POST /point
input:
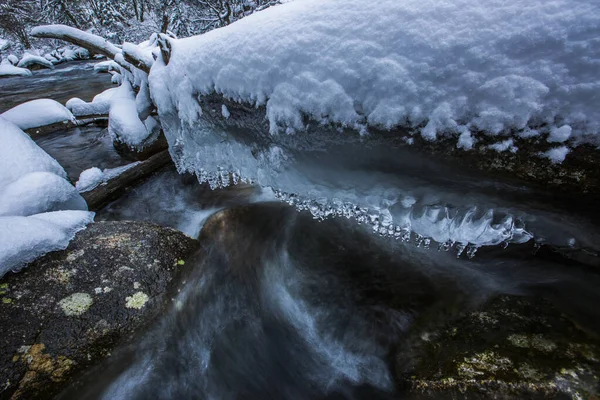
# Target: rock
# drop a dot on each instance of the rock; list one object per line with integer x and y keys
{"x": 67, "y": 310}
{"x": 512, "y": 348}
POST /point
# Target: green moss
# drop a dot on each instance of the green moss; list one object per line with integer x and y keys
{"x": 4, "y": 288}
{"x": 7, "y": 300}
{"x": 180, "y": 262}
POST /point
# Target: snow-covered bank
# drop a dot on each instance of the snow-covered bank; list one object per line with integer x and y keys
{"x": 439, "y": 67}
{"x": 40, "y": 211}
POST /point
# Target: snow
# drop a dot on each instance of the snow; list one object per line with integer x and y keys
{"x": 80, "y": 108}
{"x": 560, "y": 135}
{"x": 433, "y": 65}
{"x": 39, "y": 192}
{"x": 124, "y": 122}
{"x": 68, "y": 32}
{"x": 4, "y": 44}
{"x": 556, "y": 155}
{"x": 40, "y": 210}
{"x": 14, "y": 60}
{"x": 225, "y": 112}
{"x": 93, "y": 177}
{"x": 139, "y": 53}
{"x": 23, "y": 239}
{"x": 10, "y": 70}
{"x": 19, "y": 155}
{"x": 104, "y": 96}
{"x": 51, "y": 58}
{"x": 30, "y": 60}
{"x": 505, "y": 145}
{"x": 106, "y": 66}
{"x": 36, "y": 113}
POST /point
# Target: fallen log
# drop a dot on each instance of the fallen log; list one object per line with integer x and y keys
{"x": 44, "y": 130}
{"x": 94, "y": 43}
{"x": 138, "y": 59}
{"x": 116, "y": 187}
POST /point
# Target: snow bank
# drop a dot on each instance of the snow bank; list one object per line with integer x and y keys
{"x": 10, "y": 70}
{"x": 34, "y": 199}
{"x": 124, "y": 122}
{"x": 23, "y": 239}
{"x": 30, "y": 60}
{"x": 438, "y": 66}
{"x": 36, "y": 113}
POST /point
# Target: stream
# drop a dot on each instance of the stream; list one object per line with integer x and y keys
{"x": 283, "y": 301}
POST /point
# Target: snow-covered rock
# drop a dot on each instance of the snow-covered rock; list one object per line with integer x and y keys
{"x": 10, "y": 70}
{"x": 51, "y": 58}
{"x": 437, "y": 66}
{"x": 14, "y": 60}
{"x": 19, "y": 155}
{"x": 39, "y": 192}
{"x": 30, "y": 60}
{"x": 36, "y": 113}
{"x": 23, "y": 239}
{"x": 40, "y": 211}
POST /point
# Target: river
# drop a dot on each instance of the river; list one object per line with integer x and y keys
{"x": 278, "y": 304}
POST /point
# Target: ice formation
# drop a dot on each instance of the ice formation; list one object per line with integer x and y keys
{"x": 506, "y": 69}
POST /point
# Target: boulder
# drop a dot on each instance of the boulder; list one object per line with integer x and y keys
{"x": 512, "y": 348}
{"x": 67, "y": 310}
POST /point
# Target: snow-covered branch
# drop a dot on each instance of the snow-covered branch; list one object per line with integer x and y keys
{"x": 95, "y": 44}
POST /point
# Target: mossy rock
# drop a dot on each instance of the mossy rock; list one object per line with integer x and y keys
{"x": 512, "y": 348}
{"x": 67, "y": 310}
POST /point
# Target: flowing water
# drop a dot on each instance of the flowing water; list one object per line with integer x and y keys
{"x": 319, "y": 298}
{"x": 65, "y": 81}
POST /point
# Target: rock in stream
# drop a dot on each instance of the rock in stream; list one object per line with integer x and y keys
{"x": 67, "y": 310}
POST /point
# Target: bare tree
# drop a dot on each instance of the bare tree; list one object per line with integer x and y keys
{"x": 15, "y": 19}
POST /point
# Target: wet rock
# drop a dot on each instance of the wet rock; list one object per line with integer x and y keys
{"x": 68, "y": 310}
{"x": 512, "y": 348}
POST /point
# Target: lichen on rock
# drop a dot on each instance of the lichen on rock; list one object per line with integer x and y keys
{"x": 137, "y": 300}
{"x": 76, "y": 304}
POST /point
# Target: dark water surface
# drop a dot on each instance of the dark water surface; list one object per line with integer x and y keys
{"x": 65, "y": 81}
